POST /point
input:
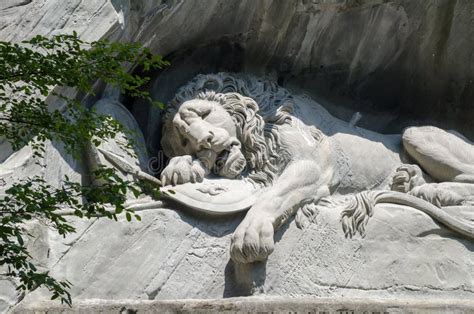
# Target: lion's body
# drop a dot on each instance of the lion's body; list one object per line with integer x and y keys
{"x": 292, "y": 145}
{"x": 355, "y": 161}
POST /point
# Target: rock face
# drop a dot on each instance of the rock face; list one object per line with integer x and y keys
{"x": 397, "y": 62}
{"x": 173, "y": 254}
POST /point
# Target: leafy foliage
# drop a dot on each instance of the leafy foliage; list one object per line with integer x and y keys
{"x": 28, "y": 74}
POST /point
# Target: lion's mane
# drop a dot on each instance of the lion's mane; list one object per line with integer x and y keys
{"x": 257, "y": 106}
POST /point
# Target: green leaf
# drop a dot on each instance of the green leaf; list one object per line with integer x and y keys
{"x": 33, "y": 68}
{"x": 20, "y": 239}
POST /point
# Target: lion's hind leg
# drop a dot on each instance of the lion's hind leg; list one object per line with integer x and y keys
{"x": 444, "y": 155}
{"x": 445, "y": 193}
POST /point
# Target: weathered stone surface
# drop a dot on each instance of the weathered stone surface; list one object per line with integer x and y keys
{"x": 398, "y": 62}
{"x": 23, "y": 19}
{"x": 172, "y": 254}
{"x": 259, "y": 305}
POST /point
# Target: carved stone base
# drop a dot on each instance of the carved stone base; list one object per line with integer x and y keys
{"x": 171, "y": 254}
{"x": 258, "y": 304}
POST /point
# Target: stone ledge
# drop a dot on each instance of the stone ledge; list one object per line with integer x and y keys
{"x": 256, "y": 304}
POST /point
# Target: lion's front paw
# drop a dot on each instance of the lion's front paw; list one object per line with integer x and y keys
{"x": 406, "y": 178}
{"x": 183, "y": 169}
{"x": 252, "y": 241}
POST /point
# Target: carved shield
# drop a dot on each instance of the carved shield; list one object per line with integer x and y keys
{"x": 216, "y": 196}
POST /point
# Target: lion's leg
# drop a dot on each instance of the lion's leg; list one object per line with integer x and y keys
{"x": 445, "y": 156}
{"x": 445, "y": 193}
{"x": 253, "y": 239}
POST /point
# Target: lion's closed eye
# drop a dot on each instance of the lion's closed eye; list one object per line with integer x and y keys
{"x": 205, "y": 114}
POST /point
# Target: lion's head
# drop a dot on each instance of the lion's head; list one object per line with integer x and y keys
{"x": 225, "y": 129}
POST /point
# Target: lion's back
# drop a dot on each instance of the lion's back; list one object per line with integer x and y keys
{"x": 365, "y": 163}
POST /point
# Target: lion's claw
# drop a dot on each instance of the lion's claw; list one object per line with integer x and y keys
{"x": 183, "y": 169}
{"x": 252, "y": 241}
{"x": 406, "y": 178}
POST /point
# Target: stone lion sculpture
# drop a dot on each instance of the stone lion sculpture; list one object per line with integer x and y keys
{"x": 240, "y": 127}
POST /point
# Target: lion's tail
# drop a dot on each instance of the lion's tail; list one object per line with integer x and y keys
{"x": 356, "y": 215}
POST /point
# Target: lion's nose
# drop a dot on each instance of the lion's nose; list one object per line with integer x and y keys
{"x": 206, "y": 141}
{"x": 210, "y": 137}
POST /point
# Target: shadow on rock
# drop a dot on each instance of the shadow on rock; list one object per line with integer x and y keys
{"x": 244, "y": 279}
{"x": 215, "y": 226}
